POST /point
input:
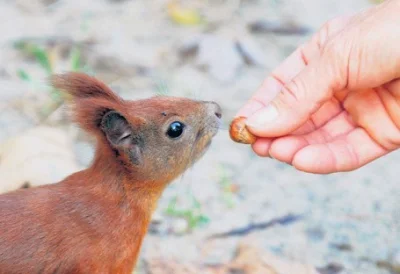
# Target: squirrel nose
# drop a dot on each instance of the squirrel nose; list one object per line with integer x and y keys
{"x": 215, "y": 109}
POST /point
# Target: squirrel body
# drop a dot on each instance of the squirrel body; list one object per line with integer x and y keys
{"x": 94, "y": 221}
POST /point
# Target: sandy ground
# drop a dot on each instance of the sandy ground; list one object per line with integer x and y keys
{"x": 351, "y": 219}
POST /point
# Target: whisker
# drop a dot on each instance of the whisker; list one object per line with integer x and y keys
{"x": 221, "y": 128}
{"x": 222, "y": 125}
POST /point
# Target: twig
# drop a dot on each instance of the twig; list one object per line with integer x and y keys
{"x": 285, "y": 220}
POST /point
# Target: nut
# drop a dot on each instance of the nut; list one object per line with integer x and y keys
{"x": 239, "y": 132}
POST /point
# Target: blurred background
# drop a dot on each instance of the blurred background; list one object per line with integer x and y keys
{"x": 232, "y": 212}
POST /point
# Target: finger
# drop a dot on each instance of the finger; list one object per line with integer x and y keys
{"x": 288, "y": 69}
{"x": 345, "y": 153}
{"x": 322, "y": 73}
{"x": 274, "y": 83}
{"x": 299, "y": 99}
{"x": 329, "y": 110}
{"x": 325, "y": 113}
{"x": 292, "y": 66}
{"x": 284, "y": 149}
{"x": 262, "y": 146}
{"x": 390, "y": 96}
{"x": 265, "y": 93}
{"x": 368, "y": 110}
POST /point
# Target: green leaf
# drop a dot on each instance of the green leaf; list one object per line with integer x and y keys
{"x": 23, "y": 75}
{"x": 192, "y": 215}
{"x": 204, "y": 219}
{"x": 38, "y": 53}
{"x": 42, "y": 58}
{"x": 75, "y": 59}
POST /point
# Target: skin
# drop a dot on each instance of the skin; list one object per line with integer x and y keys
{"x": 334, "y": 104}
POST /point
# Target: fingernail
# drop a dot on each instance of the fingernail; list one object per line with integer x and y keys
{"x": 263, "y": 117}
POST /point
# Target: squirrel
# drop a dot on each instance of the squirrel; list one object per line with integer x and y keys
{"x": 94, "y": 221}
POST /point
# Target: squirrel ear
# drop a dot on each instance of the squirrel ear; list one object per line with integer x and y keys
{"x": 117, "y": 129}
{"x": 120, "y": 135}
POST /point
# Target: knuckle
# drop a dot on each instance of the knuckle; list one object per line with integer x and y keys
{"x": 328, "y": 29}
{"x": 336, "y": 24}
{"x": 336, "y": 56}
{"x": 293, "y": 92}
{"x": 333, "y": 48}
{"x": 320, "y": 38}
{"x": 328, "y": 26}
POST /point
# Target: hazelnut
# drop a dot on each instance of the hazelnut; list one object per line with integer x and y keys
{"x": 239, "y": 132}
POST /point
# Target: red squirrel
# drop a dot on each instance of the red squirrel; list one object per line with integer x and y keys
{"x": 94, "y": 221}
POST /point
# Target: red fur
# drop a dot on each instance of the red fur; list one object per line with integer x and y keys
{"x": 94, "y": 221}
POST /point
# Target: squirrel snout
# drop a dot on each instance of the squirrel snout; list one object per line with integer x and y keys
{"x": 214, "y": 109}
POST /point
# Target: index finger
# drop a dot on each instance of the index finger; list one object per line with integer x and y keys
{"x": 292, "y": 66}
{"x": 274, "y": 83}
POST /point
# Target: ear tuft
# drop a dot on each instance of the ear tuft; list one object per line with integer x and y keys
{"x": 89, "y": 99}
{"x": 80, "y": 85}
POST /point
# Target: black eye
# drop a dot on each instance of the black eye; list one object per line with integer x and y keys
{"x": 175, "y": 130}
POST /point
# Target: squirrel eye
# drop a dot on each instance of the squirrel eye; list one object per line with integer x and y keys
{"x": 175, "y": 130}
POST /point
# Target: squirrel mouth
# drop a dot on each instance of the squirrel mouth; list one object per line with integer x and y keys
{"x": 200, "y": 134}
{"x": 204, "y": 138}
{"x": 208, "y": 144}
{"x": 206, "y": 134}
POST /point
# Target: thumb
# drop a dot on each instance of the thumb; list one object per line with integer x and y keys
{"x": 302, "y": 96}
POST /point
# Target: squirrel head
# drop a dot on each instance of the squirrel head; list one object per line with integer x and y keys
{"x": 154, "y": 139}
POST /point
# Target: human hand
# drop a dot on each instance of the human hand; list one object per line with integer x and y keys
{"x": 334, "y": 104}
